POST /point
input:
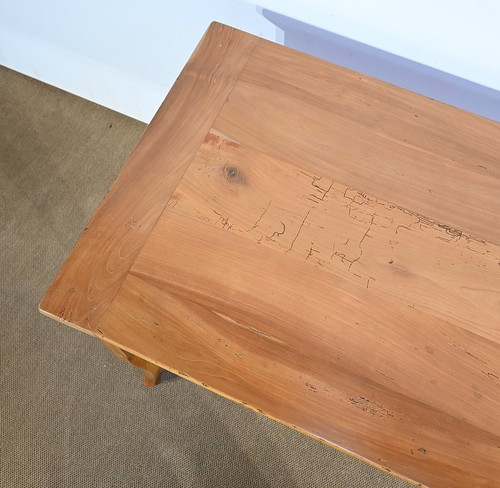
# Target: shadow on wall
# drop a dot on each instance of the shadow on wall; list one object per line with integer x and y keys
{"x": 388, "y": 67}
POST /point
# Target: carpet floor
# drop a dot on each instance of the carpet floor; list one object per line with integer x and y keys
{"x": 71, "y": 414}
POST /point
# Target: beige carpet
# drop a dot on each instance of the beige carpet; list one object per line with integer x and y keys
{"x": 71, "y": 414}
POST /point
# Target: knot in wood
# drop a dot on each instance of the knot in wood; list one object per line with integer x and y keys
{"x": 233, "y": 174}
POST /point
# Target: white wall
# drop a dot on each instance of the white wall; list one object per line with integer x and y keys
{"x": 126, "y": 54}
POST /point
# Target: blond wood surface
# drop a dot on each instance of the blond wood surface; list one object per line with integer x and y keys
{"x": 92, "y": 274}
{"x": 328, "y": 309}
{"x": 380, "y": 138}
{"x": 317, "y": 245}
{"x": 316, "y": 352}
{"x": 317, "y": 219}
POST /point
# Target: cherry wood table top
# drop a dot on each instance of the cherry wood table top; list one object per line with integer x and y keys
{"x": 315, "y": 244}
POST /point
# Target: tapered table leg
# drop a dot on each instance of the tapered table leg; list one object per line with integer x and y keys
{"x": 151, "y": 371}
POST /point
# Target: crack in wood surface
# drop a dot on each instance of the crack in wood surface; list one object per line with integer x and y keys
{"x": 342, "y": 230}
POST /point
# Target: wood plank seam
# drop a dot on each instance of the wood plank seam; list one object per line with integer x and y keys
{"x": 62, "y": 305}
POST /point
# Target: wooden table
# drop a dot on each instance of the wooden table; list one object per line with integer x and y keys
{"x": 315, "y": 244}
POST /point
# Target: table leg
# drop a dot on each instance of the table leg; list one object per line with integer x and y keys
{"x": 151, "y": 371}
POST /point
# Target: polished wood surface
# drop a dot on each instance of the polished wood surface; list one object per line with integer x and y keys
{"x": 94, "y": 271}
{"x": 317, "y": 245}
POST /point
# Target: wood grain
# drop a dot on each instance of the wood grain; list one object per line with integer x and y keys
{"x": 354, "y": 320}
{"x": 379, "y": 138}
{"x": 92, "y": 274}
{"x": 372, "y": 376}
{"x": 317, "y": 245}
{"x": 317, "y": 219}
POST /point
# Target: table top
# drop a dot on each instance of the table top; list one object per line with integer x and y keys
{"x": 317, "y": 245}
